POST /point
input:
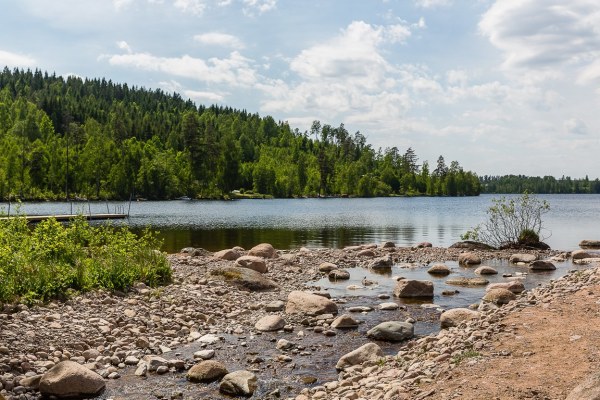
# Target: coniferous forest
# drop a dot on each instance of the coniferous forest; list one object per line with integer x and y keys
{"x": 93, "y": 138}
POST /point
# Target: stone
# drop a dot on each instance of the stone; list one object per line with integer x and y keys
{"x": 264, "y": 250}
{"x": 388, "y": 245}
{"x": 244, "y": 278}
{"x": 515, "y": 286}
{"x": 408, "y": 288}
{"x": 207, "y": 371}
{"x": 70, "y": 379}
{"x": 389, "y": 306}
{"x": 367, "y": 352}
{"x": 205, "y": 354}
{"x": 307, "y": 303}
{"x": 469, "y": 259}
{"x": 270, "y": 323}
{"x": 523, "y": 258}
{"x": 423, "y": 245}
{"x": 499, "y": 296}
{"x": 471, "y": 245}
{"x": 590, "y": 244}
{"x": 227, "y": 254}
{"x": 154, "y": 362}
{"x": 344, "y": 321}
{"x": 456, "y": 316}
{"x": 327, "y": 267}
{"x": 540, "y": 265}
{"x": 381, "y": 262}
{"x": 254, "y": 263}
{"x": 439, "y": 269}
{"x": 209, "y": 338}
{"x": 284, "y": 344}
{"x": 275, "y": 306}
{"x": 485, "y": 270}
{"x": 392, "y": 331}
{"x": 366, "y": 253}
{"x": 581, "y": 254}
{"x": 339, "y": 274}
{"x": 462, "y": 281}
{"x": 589, "y": 389}
{"x": 238, "y": 383}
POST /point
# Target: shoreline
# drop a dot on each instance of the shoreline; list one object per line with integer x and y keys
{"x": 108, "y": 331}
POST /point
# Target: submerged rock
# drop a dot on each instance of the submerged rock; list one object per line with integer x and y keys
{"x": 439, "y": 269}
{"x": 469, "y": 259}
{"x": 407, "y": 288}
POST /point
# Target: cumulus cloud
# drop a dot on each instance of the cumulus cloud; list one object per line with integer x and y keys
{"x": 219, "y": 39}
{"x": 195, "y": 7}
{"x": 15, "y": 60}
{"x": 432, "y": 3}
{"x": 120, "y": 4}
{"x": 253, "y": 7}
{"x": 124, "y": 46}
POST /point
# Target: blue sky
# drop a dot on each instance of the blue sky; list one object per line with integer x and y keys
{"x": 505, "y": 86}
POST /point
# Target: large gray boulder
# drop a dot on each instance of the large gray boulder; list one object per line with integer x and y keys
{"x": 367, "y": 352}
{"x": 540, "y": 265}
{"x": 456, "y": 316}
{"x": 270, "y": 323}
{"x": 227, "y": 254}
{"x": 308, "y": 303}
{"x": 70, "y": 379}
{"x": 264, "y": 250}
{"x": 439, "y": 269}
{"x": 207, "y": 371}
{"x": 239, "y": 383}
{"x": 469, "y": 259}
{"x": 338, "y": 275}
{"x": 345, "y": 321}
{"x": 327, "y": 267}
{"x": 254, "y": 263}
{"x": 581, "y": 254}
{"x": 499, "y": 296}
{"x": 522, "y": 258}
{"x": 392, "y": 331}
{"x": 590, "y": 244}
{"x": 381, "y": 262}
{"x": 515, "y": 286}
{"x": 408, "y": 288}
{"x": 486, "y": 270}
{"x": 243, "y": 278}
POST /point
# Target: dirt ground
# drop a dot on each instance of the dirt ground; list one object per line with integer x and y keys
{"x": 544, "y": 351}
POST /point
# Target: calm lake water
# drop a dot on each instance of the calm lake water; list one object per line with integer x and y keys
{"x": 293, "y": 223}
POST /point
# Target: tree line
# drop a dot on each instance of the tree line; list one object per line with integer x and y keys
{"x": 93, "y": 138}
{"x": 536, "y": 184}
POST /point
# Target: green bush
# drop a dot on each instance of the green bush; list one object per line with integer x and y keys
{"x": 52, "y": 260}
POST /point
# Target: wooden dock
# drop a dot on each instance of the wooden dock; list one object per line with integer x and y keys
{"x": 67, "y": 217}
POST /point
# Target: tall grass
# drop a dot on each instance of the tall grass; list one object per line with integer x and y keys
{"x": 51, "y": 260}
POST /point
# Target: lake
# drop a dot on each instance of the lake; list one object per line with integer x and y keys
{"x": 330, "y": 222}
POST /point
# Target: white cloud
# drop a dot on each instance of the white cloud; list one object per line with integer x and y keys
{"x": 15, "y": 60}
{"x": 204, "y": 97}
{"x": 120, "y": 4}
{"x": 195, "y": 7}
{"x": 432, "y": 3}
{"x": 124, "y": 46}
{"x": 251, "y": 7}
{"x": 575, "y": 126}
{"x": 219, "y": 39}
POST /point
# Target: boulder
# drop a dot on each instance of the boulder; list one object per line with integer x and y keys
{"x": 327, "y": 267}
{"x": 367, "y": 352}
{"x": 439, "y": 269}
{"x": 407, "y": 288}
{"x": 244, "y": 278}
{"x": 70, "y": 379}
{"x": 254, "y": 263}
{"x": 515, "y": 286}
{"x": 471, "y": 245}
{"x": 392, "y": 331}
{"x": 540, "y": 265}
{"x": 366, "y": 253}
{"x": 456, "y": 316}
{"x": 339, "y": 275}
{"x": 523, "y": 258}
{"x": 274, "y": 306}
{"x": 499, "y": 296}
{"x": 270, "y": 323}
{"x": 207, "y": 371}
{"x": 307, "y": 303}
{"x": 485, "y": 270}
{"x": 581, "y": 254}
{"x": 264, "y": 250}
{"x": 389, "y": 306}
{"x": 227, "y": 254}
{"x": 469, "y": 259}
{"x": 590, "y": 244}
{"x": 462, "y": 281}
{"x": 589, "y": 389}
{"x": 388, "y": 245}
{"x": 345, "y": 321}
{"x": 381, "y": 262}
{"x": 238, "y": 383}
{"x": 423, "y": 245}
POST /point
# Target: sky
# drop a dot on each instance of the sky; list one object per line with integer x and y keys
{"x": 502, "y": 86}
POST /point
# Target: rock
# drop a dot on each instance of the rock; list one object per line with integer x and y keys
{"x": 587, "y": 390}
{"x": 469, "y": 259}
{"x": 275, "y": 306}
{"x": 209, "y": 338}
{"x": 388, "y": 306}
{"x": 307, "y": 303}
{"x": 367, "y": 352}
{"x": 590, "y": 244}
{"x": 439, "y": 269}
{"x": 499, "y": 296}
{"x": 227, "y": 254}
{"x": 485, "y": 270}
{"x": 243, "y": 278}
{"x": 327, "y": 267}
{"x": 471, "y": 245}
{"x": 204, "y": 354}
{"x": 388, "y": 245}
{"x": 239, "y": 383}
{"x": 338, "y": 274}
{"x": 540, "y": 265}
{"x": 392, "y": 331}
{"x": 264, "y": 250}
{"x": 515, "y": 286}
{"x": 407, "y": 288}
{"x": 524, "y": 258}
{"x": 154, "y": 362}
{"x": 581, "y": 254}
{"x": 344, "y": 322}
{"x": 462, "y": 281}
{"x": 254, "y": 263}
{"x": 423, "y": 245}
{"x": 283, "y": 344}
{"x": 455, "y": 316}
{"x": 270, "y": 323}
{"x": 70, "y": 379}
{"x": 207, "y": 371}
{"x": 366, "y": 253}
{"x": 381, "y": 262}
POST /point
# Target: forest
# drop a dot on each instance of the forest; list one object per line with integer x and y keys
{"x": 95, "y": 139}
{"x": 545, "y": 185}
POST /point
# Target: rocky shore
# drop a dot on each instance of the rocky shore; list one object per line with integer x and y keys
{"x": 240, "y": 323}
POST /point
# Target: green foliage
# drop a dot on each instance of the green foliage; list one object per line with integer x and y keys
{"x": 511, "y": 221}
{"x": 465, "y": 355}
{"x": 51, "y": 260}
{"x": 536, "y": 184}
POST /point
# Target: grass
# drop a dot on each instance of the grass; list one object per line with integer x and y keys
{"x": 52, "y": 260}
{"x": 465, "y": 355}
